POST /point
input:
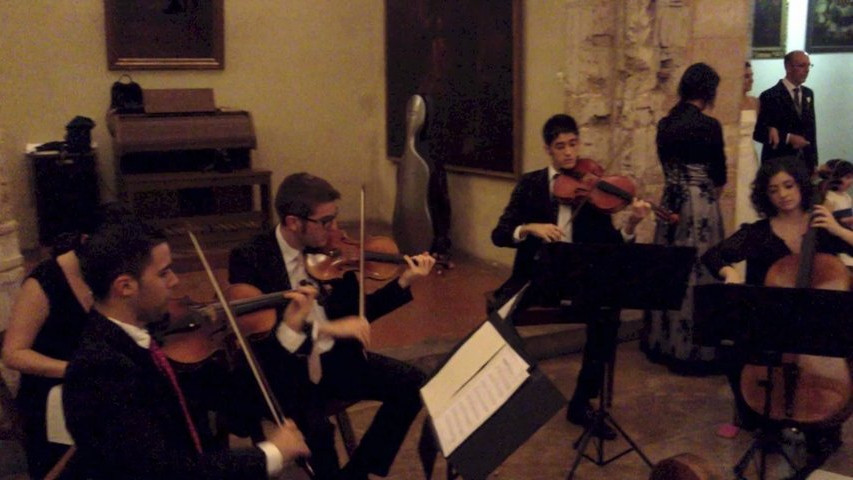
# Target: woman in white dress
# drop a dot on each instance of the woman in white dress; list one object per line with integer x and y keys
{"x": 747, "y": 159}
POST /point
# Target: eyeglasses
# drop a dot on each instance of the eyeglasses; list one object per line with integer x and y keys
{"x": 804, "y": 65}
{"x": 323, "y": 222}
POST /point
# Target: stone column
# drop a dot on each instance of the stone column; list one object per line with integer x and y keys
{"x": 623, "y": 62}
{"x": 11, "y": 264}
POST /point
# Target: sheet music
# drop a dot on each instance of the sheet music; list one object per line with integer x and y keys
{"x": 56, "y": 431}
{"x": 480, "y": 377}
{"x": 508, "y": 307}
{"x": 826, "y": 475}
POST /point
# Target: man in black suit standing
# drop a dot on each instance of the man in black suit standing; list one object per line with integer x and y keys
{"x": 311, "y": 361}
{"x": 533, "y": 217}
{"x": 786, "y": 116}
{"x": 123, "y": 404}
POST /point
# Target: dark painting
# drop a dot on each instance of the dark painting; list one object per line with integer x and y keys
{"x": 164, "y": 34}
{"x": 769, "y": 22}
{"x": 460, "y": 56}
{"x": 830, "y": 26}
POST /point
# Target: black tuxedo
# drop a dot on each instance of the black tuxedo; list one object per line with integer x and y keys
{"x": 126, "y": 419}
{"x": 531, "y": 202}
{"x": 348, "y": 374}
{"x": 776, "y": 109}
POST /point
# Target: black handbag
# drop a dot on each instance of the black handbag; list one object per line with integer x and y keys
{"x": 78, "y": 135}
{"x": 126, "y": 96}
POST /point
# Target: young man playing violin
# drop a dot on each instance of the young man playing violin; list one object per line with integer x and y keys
{"x": 123, "y": 406}
{"x": 312, "y": 361}
{"x": 534, "y": 217}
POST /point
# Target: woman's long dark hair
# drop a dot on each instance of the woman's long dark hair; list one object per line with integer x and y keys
{"x": 699, "y": 82}
{"x": 794, "y": 167}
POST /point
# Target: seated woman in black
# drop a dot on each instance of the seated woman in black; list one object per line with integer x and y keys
{"x": 782, "y": 196}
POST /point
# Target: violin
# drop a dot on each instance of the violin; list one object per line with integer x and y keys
{"x": 382, "y": 258}
{"x": 587, "y": 183}
{"x": 241, "y": 340}
{"x": 197, "y": 331}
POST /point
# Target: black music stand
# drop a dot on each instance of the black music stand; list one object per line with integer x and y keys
{"x": 616, "y": 276}
{"x": 761, "y": 322}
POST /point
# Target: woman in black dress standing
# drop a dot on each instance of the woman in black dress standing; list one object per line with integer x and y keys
{"x": 690, "y": 149}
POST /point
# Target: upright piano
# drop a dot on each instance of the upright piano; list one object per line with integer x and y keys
{"x": 192, "y": 170}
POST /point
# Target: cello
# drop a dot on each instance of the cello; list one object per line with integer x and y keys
{"x": 422, "y": 207}
{"x": 807, "y": 389}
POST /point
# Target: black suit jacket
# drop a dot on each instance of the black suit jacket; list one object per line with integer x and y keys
{"x": 531, "y": 202}
{"x": 260, "y": 263}
{"x": 776, "y": 109}
{"x": 126, "y": 419}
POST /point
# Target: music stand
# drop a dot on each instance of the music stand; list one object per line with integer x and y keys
{"x": 760, "y": 323}
{"x": 616, "y": 276}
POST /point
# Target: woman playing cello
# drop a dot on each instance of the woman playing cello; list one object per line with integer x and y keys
{"x": 782, "y": 195}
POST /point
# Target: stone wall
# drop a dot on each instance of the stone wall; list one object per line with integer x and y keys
{"x": 623, "y": 62}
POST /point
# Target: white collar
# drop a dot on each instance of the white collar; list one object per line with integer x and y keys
{"x": 552, "y": 172}
{"x": 289, "y": 253}
{"x": 138, "y": 334}
{"x": 790, "y": 86}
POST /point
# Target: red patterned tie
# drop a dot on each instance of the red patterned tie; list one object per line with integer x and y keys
{"x": 163, "y": 365}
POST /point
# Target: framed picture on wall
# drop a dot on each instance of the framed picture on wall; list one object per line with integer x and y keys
{"x": 164, "y": 34}
{"x": 463, "y": 57}
{"x": 769, "y": 21}
{"x": 829, "y": 26}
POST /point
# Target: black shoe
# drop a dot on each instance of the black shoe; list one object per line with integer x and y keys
{"x": 822, "y": 444}
{"x": 352, "y": 472}
{"x": 583, "y": 414}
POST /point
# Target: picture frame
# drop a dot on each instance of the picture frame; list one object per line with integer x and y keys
{"x": 769, "y": 28}
{"x": 828, "y": 26}
{"x": 165, "y": 34}
{"x": 464, "y": 58}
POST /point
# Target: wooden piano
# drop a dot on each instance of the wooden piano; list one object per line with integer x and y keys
{"x": 192, "y": 169}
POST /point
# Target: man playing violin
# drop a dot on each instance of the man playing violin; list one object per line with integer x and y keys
{"x": 312, "y": 361}
{"x": 533, "y": 217}
{"x": 123, "y": 405}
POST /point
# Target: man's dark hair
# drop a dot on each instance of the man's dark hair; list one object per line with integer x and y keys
{"x": 556, "y": 125}
{"x": 794, "y": 167}
{"x": 106, "y": 214}
{"x": 699, "y": 82}
{"x": 300, "y": 193}
{"x": 117, "y": 249}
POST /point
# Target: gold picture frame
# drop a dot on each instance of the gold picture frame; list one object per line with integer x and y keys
{"x": 165, "y": 34}
{"x": 769, "y": 28}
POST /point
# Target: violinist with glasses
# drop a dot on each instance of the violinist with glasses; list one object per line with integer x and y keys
{"x": 324, "y": 357}
{"x": 535, "y": 216}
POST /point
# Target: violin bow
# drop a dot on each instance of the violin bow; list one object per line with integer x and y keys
{"x": 361, "y": 306}
{"x": 263, "y": 383}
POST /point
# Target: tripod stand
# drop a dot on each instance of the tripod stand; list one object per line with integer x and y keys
{"x": 761, "y": 322}
{"x": 600, "y": 419}
{"x": 766, "y": 439}
{"x": 595, "y": 277}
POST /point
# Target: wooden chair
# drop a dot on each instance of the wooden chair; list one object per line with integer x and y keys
{"x": 338, "y": 409}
